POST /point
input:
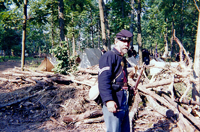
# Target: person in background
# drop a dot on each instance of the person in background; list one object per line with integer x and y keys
{"x": 103, "y": 51}
{"x": 146, "y": 56}
{"x": 132, "y": 52}
{"x": 113, "y": 88}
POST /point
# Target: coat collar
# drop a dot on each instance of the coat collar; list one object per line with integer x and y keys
{"x": 117, "y": 52}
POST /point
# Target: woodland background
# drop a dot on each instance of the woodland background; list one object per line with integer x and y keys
{"x": 60, "y": 28}
{"x": 35, "y": 27}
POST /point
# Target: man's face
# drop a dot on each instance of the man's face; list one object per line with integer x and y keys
{"x": 124, "y": 46}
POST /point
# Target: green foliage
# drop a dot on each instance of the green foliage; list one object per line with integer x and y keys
{"x": 82, "y": 20}
{"x": 66, "y": 64}
{"x": 5, "y": 58}
{"x": 158, "y": 19}
{"x": 10, "y": 39}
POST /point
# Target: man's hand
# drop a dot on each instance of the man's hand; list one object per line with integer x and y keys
{"x": 112, "y": 106}
{"x": 133, "y": 90}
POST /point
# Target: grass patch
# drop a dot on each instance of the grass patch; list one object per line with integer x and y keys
{"x": 6, "y": 58}
{"x": 29, "y": 61}
{"x": 181, "y": 87}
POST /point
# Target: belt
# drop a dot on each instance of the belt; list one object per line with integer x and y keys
{"x": 123, "y": 85}
{"x": 124, "y": 88}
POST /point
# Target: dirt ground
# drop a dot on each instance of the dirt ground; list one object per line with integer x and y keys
{"x": 43, "y": 112}
{"x": 9, "y": 64}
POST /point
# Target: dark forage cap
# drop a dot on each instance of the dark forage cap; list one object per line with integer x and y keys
{"x": 124, "y": 35}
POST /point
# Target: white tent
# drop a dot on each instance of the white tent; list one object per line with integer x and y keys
{"x": 89, "y": 57}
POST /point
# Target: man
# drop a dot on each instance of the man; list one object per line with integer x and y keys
{"x": 103, "y": 51}
{"x": 132, "y": 52}
{"x": 112, "y": 79}
{"x": 146, "y": 56}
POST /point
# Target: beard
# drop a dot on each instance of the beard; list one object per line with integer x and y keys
{"x": 124, "y": 51}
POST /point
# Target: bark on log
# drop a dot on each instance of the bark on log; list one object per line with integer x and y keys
{"x": 57, "y": 122}
{"x": 182, "y": 122}
{"x": 92, "y": 71}
{"x": 134, "y": 108}
{"x": 189, "y": 61}
{"x": 161, "y": 83}
{"x": 87, "y": 114}
{"x": 22, "y": 99}
{"x": 188, "y": 102}
{"x": 163, "y": 111}
{"x": 194, "y": 120}
{"x": 90, "y": 121}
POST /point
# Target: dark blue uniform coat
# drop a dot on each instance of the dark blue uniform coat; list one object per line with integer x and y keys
{"x": 109, "y": 68}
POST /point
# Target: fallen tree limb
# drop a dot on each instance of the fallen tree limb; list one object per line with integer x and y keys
{"x": 164, "y": 111}
{"x": 92, "y": 71}
{"x": 134, "y": 108}
{"x": 22, "y": 99}
{"x": 188, "y": 102}
{"x": 194, "y": 120}
{"x": 87, "y": 114}
{"x": 57, "y": 122}
{"x": 182, "y": 122}
{"x": 90, "y": 121}
{"x": 161, "y": 83}
{"x": 189, "y": 61}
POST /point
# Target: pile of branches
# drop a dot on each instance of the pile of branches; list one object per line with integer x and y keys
{"x": 167, "y": 92}
{"x": 40, "y": 95}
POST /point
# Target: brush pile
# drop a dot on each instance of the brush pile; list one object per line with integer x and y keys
{"x": 166, "y": 100}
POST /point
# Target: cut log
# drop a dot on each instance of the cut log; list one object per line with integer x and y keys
{"x": 90, "y": 121}
{"x": 91, "y": 71}
{"x": 189, "y": 116}
{"x": 188, "y": 102}
{"x": 182, "y": 122}
{"x": 57, "y": 122}
{"x": 161, "y": 83}
{"x": 87, "y": 114}
{"x": 164, "y": 111}
{"x": 134, "y": 108}
{"x": 189, "y": 61}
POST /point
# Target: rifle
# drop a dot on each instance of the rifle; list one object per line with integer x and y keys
{"x": 138, "y": 79}
{"x": 133, "y": 90}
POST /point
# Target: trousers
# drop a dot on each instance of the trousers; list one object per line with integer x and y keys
{"x": 118, "y": 122}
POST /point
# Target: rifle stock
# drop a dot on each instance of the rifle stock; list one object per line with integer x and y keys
{"x": 138, "y": 79}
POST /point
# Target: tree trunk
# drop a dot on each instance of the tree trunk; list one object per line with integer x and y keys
{"x": 195, "y": 93}
{"x": 91, "y": 29}
{"x": 24, "y": 35}
{"x": 122, "y": 5}
{"x": 197, "y": 57}
{"x": 79, "y": 39}
{"x": 74, "y": 44}
{"x": 99, "y": 32}
{"x": 61, "y": 20}
{"x": 172, "y": 30}
{"x": 165, "y": 54}
{"x": 197, "y": 51}
{"x": 107, "y": 26}
{"x": 67, "y": 42}
{"x": 132, "y": 19}
{"x": 103, "y": 30}
{"x": 139, "y": 36}
{"x": 172, "y": 40}
{"x": 52, "y": 26}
